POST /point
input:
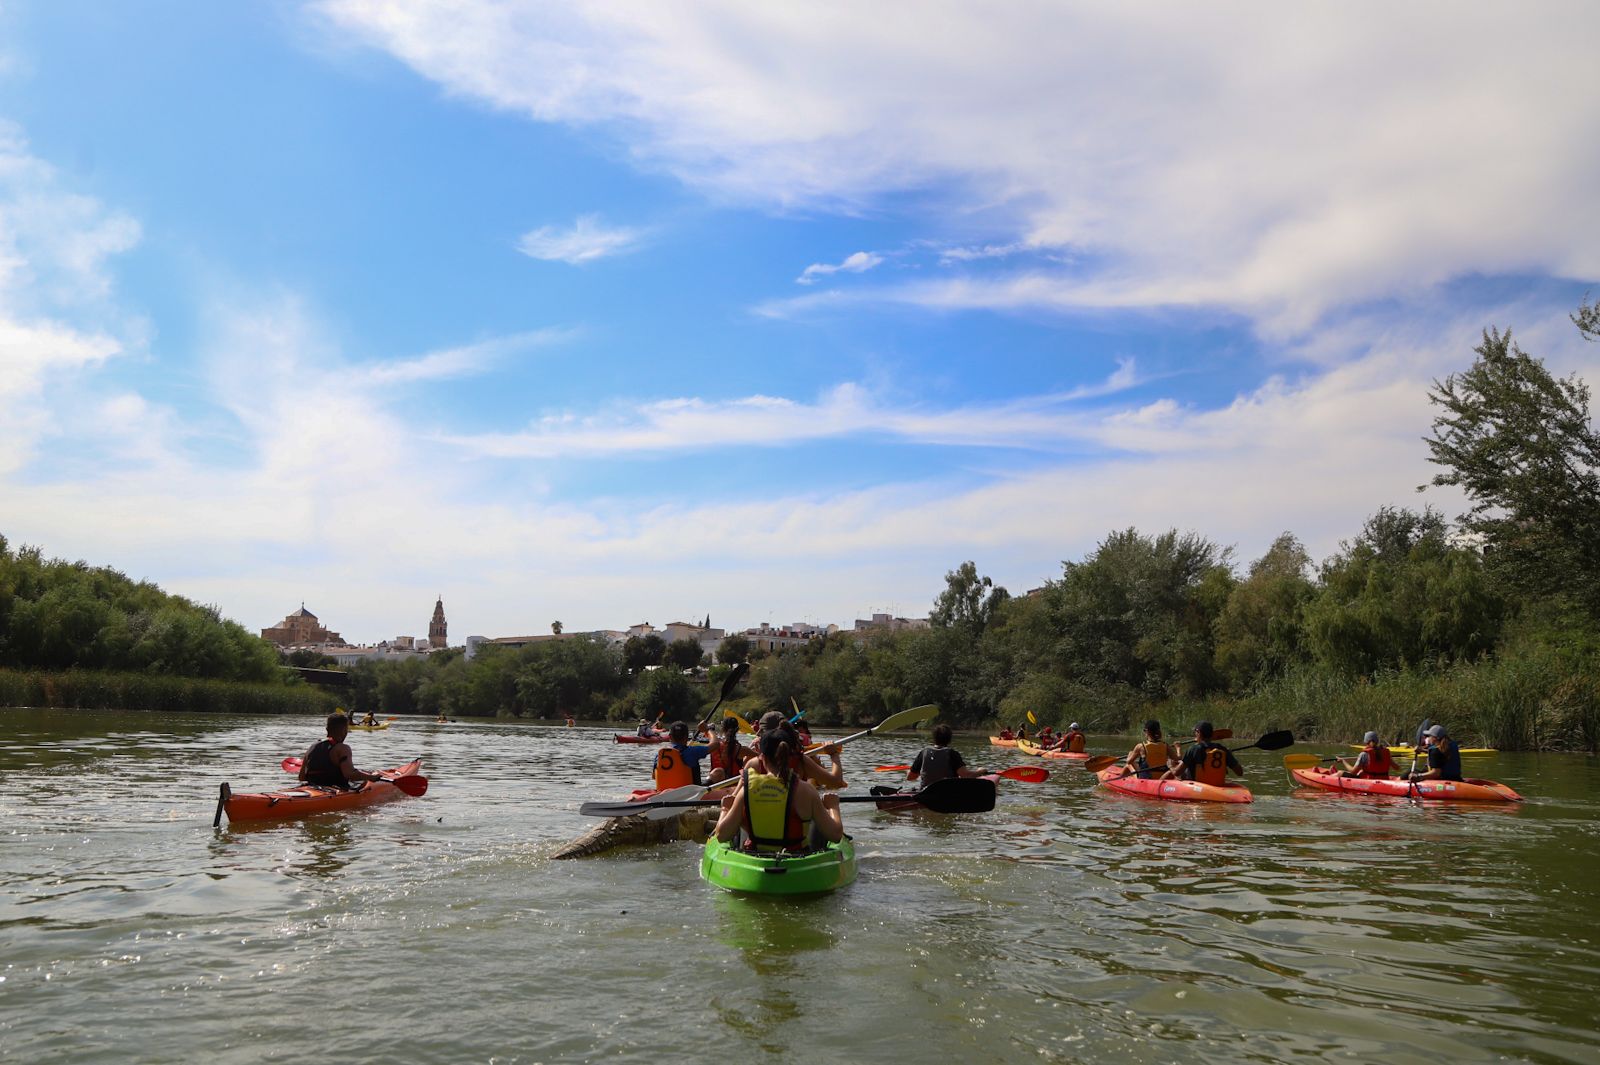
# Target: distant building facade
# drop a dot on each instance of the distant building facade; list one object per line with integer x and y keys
{"x": 301, "y": 628}
{"x": 880, "y": 623}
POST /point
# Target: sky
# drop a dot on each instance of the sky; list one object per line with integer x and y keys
{"x": 618, "y": 312}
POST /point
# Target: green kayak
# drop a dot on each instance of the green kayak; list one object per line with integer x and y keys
{"x": 778, "y": 874}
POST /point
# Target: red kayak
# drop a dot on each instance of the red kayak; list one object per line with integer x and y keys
{"x": 1172, "y": 790}
{"x": 1435, "y": 790}
{"x": 620, "y": 737}
{"x": 311, "y": 798}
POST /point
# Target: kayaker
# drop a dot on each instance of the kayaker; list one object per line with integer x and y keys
{"x": 646, "y": 730}
{"x": 728, "y": 755}
{"x": 1152, "y": 756}
{"x": 778, "y": 811}
{"x": 1007, "y": 734}
{"x": 678, "y": 764}
{"x": 1073, "y": 740}
{"x": 939, "y": 762}
{"x": 1444, "y": 757}
{"x": 1046, "y": 737}
{"x": 329, "y": 762}
{"x": 1206, "y": 761}
{"x": 804, "y": 762}
{"x": 1374, "y": 761}
{"x": 370, "y": 720}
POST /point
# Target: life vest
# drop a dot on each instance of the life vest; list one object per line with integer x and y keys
{"x": 1379, "y": 762}
{"x": 1075, "y": 742}
{"x": 719, "y": 761}
{"x": 1154, "y": 756}
{"x": 935, "y": 765}
{"x": 673, "y": 770}
{"x": 1212, "y": 768}
{"x": 320, "y": 768}
{"x": 1007, "y": 734}
{"x": 769, "y": 817}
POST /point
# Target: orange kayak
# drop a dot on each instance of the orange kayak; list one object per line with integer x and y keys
{"x": 311, "y": 798}
{"x": 1437, "y": 790}
{"x": 1172, "y": 790}
{"x": 998, "y": 742}
{"x": 1029, "y": 747}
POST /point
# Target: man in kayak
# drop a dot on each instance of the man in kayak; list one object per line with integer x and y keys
{"x": 1374, "y": 761}
{"x": 678, "y": 764}
{"x": 1444, "y": 757}
{"x": 1073, "y": 740}
{"x": 778, "y": 811}
{"x": 329, "y": 762}
{"x": 370, "y": 720}
{"x": 1152, "y": 756}
{"x": 1206, "y": 761}
{"x": 646, "y": 731}
{"x": 939, "y": 762}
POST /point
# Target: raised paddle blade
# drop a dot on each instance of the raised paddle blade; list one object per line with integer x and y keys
{"x": 1222, "y": 734}
{"x": 291, "y": 764}
{"x": 1099, "y": 762}
{"x": 411, "y": 784}
{"x": 1303, "y": 761}
{"x": 1275, "y": 741}
{"x": 744, "y": 726}
{"x": 907, "y": 718}
{"x": 1028, "y": 774}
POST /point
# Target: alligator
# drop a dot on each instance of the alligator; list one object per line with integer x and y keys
{"x": 694, "y": 825}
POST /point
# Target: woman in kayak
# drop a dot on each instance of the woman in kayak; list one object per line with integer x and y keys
{"x": 939, "y": 762}
{"x": 1444, "y": 757}
{"x": 1152, "y": 756}
{"x": 678, "y": 764}
{"x": 778, "y": 811}
{"x": 1205, "y": 761}
{"x": 329, "y": 763}
{"x": 801, "y": 761}
{"x": 728, "y": 755}
{"x": 1374, "y": 761}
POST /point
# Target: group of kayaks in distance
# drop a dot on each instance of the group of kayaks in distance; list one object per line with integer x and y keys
{"x": 778, "y": 828}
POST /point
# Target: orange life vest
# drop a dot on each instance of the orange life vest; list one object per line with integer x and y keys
{"x": 1156, "y": 755}
{"x": 1213, "y": 767}
{"x": 672, "y": 770}
{"x": 718, "y": 761}
{"x": 1075, "y": 742}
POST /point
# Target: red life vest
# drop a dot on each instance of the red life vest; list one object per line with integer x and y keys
{"x": 1379, "y": 761}
{"x": 719, "y": 762}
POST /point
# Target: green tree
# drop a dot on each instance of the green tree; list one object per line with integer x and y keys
{"x": 1519, "y": 442}
{"x": 666, "y": 690}
{"x": 733, "y": 649}
{"x": 684, "y": 653}
{"x": 1259, "y": 631}
{"x": 555, "y": 627}
{"x": 641, "y": 651}
{"x": 967, "y": 599}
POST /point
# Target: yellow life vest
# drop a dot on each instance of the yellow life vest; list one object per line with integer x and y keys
{"x": 769, "y": 814}
{"x": 672, "y": 770}
{"x": 1156, "y": 755}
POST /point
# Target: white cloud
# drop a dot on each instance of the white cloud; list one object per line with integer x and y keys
{"x": 584, "y": 242}
{"x": 463, "y": 361}
{"x": 858, "y": 263}
{"x": 1277, "y": 160}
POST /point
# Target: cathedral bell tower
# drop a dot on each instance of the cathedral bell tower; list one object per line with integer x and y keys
{"x": 436, "y": 627}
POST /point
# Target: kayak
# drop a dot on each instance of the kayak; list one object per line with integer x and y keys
{"x": 782, "y": 873}
{"x": 311, "y": 798}
{"x": 1029, "y": 747}
{"x": 1407, "y": 752}
{"x": 890, "y": 798}
{"x": 1172, "y": 790}
{"x": 660, "y": 737}
{"x": 996, "y": 741}
{"x": 1438, "y": 790}
{"x": 371, "y": 728}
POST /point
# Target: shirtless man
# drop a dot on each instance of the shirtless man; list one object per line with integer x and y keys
{"x": 329, "y": 761}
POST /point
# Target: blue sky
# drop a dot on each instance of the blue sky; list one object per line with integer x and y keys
{"x": 629, "y": 311}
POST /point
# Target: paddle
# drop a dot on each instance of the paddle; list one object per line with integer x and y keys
{"x": 1028, "y": 774}
{"x": 1272, "y": 741}
{"x": 735, "y": 675}
{"x": 953, "y": 795}
{"x": 1305, "y": 761}
{"x": 744, "y": 726}
{"x": 904, "y": 719}
{"x": 292, "y": 765}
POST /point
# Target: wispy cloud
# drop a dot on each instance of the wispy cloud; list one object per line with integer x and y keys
{"x": 584, "y": 241}
{"x": 464, "y": 361}
{"x": 1364, "y": 177}
{"x": 857, "y": 263}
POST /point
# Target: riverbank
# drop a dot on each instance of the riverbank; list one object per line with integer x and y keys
{"x": 94, "y": 690}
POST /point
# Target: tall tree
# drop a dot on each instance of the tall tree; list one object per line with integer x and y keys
{"x": 967, "y": 599}
{"x": 1519, "y": 442}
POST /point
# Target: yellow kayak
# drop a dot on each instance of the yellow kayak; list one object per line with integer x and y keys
{"x": 1409, "y": 751}
{"x": 370, "y": 728}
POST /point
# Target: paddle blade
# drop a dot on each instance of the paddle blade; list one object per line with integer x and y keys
{"x": 890, "y": 768}
{"x": 292, "y": 764}
{"x": 735, "y": 675}
{"x": 411, "y": 784}
{"x": 1222, "y": 734}
{"x": 958, "y": 795}
{"x": 1302, "y": 761}
{"x": 1099, "y": 762}
{"x": 1275, "y": 741}
{"x": 907, "y": 718}
{"x": 744, "y": 726}
{"x": 1028, "y": 774}
{"x": 663, "y": 813}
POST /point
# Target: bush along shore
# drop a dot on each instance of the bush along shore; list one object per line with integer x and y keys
{"x": 97, "y": 690}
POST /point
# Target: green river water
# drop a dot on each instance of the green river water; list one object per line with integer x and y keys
{"x": 1068, "y": 925}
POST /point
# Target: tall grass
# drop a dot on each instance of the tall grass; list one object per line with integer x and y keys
{"x": 92, "y": 690}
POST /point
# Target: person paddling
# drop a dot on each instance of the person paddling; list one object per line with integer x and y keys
{"x": 1152, "y": 756}
{"x": 1007, "y": 734}
{"x": 678, "y": 764}
{"x": 805, "y": 763}
{"x": 728, "y": 755}
{"x": 1206, "y": 761}
{"x": 329, "y": 763}
{"x": 778, "y": 811}
{"x": 370, "y": 720}
{"x": 939, "y": 762}
{"x": 1374, "y": 762}
{"x": 1444, "y": 757}
{"x": 1073, "y": 740}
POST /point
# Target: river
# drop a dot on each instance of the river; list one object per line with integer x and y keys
{"x": 1067, "y": 925}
